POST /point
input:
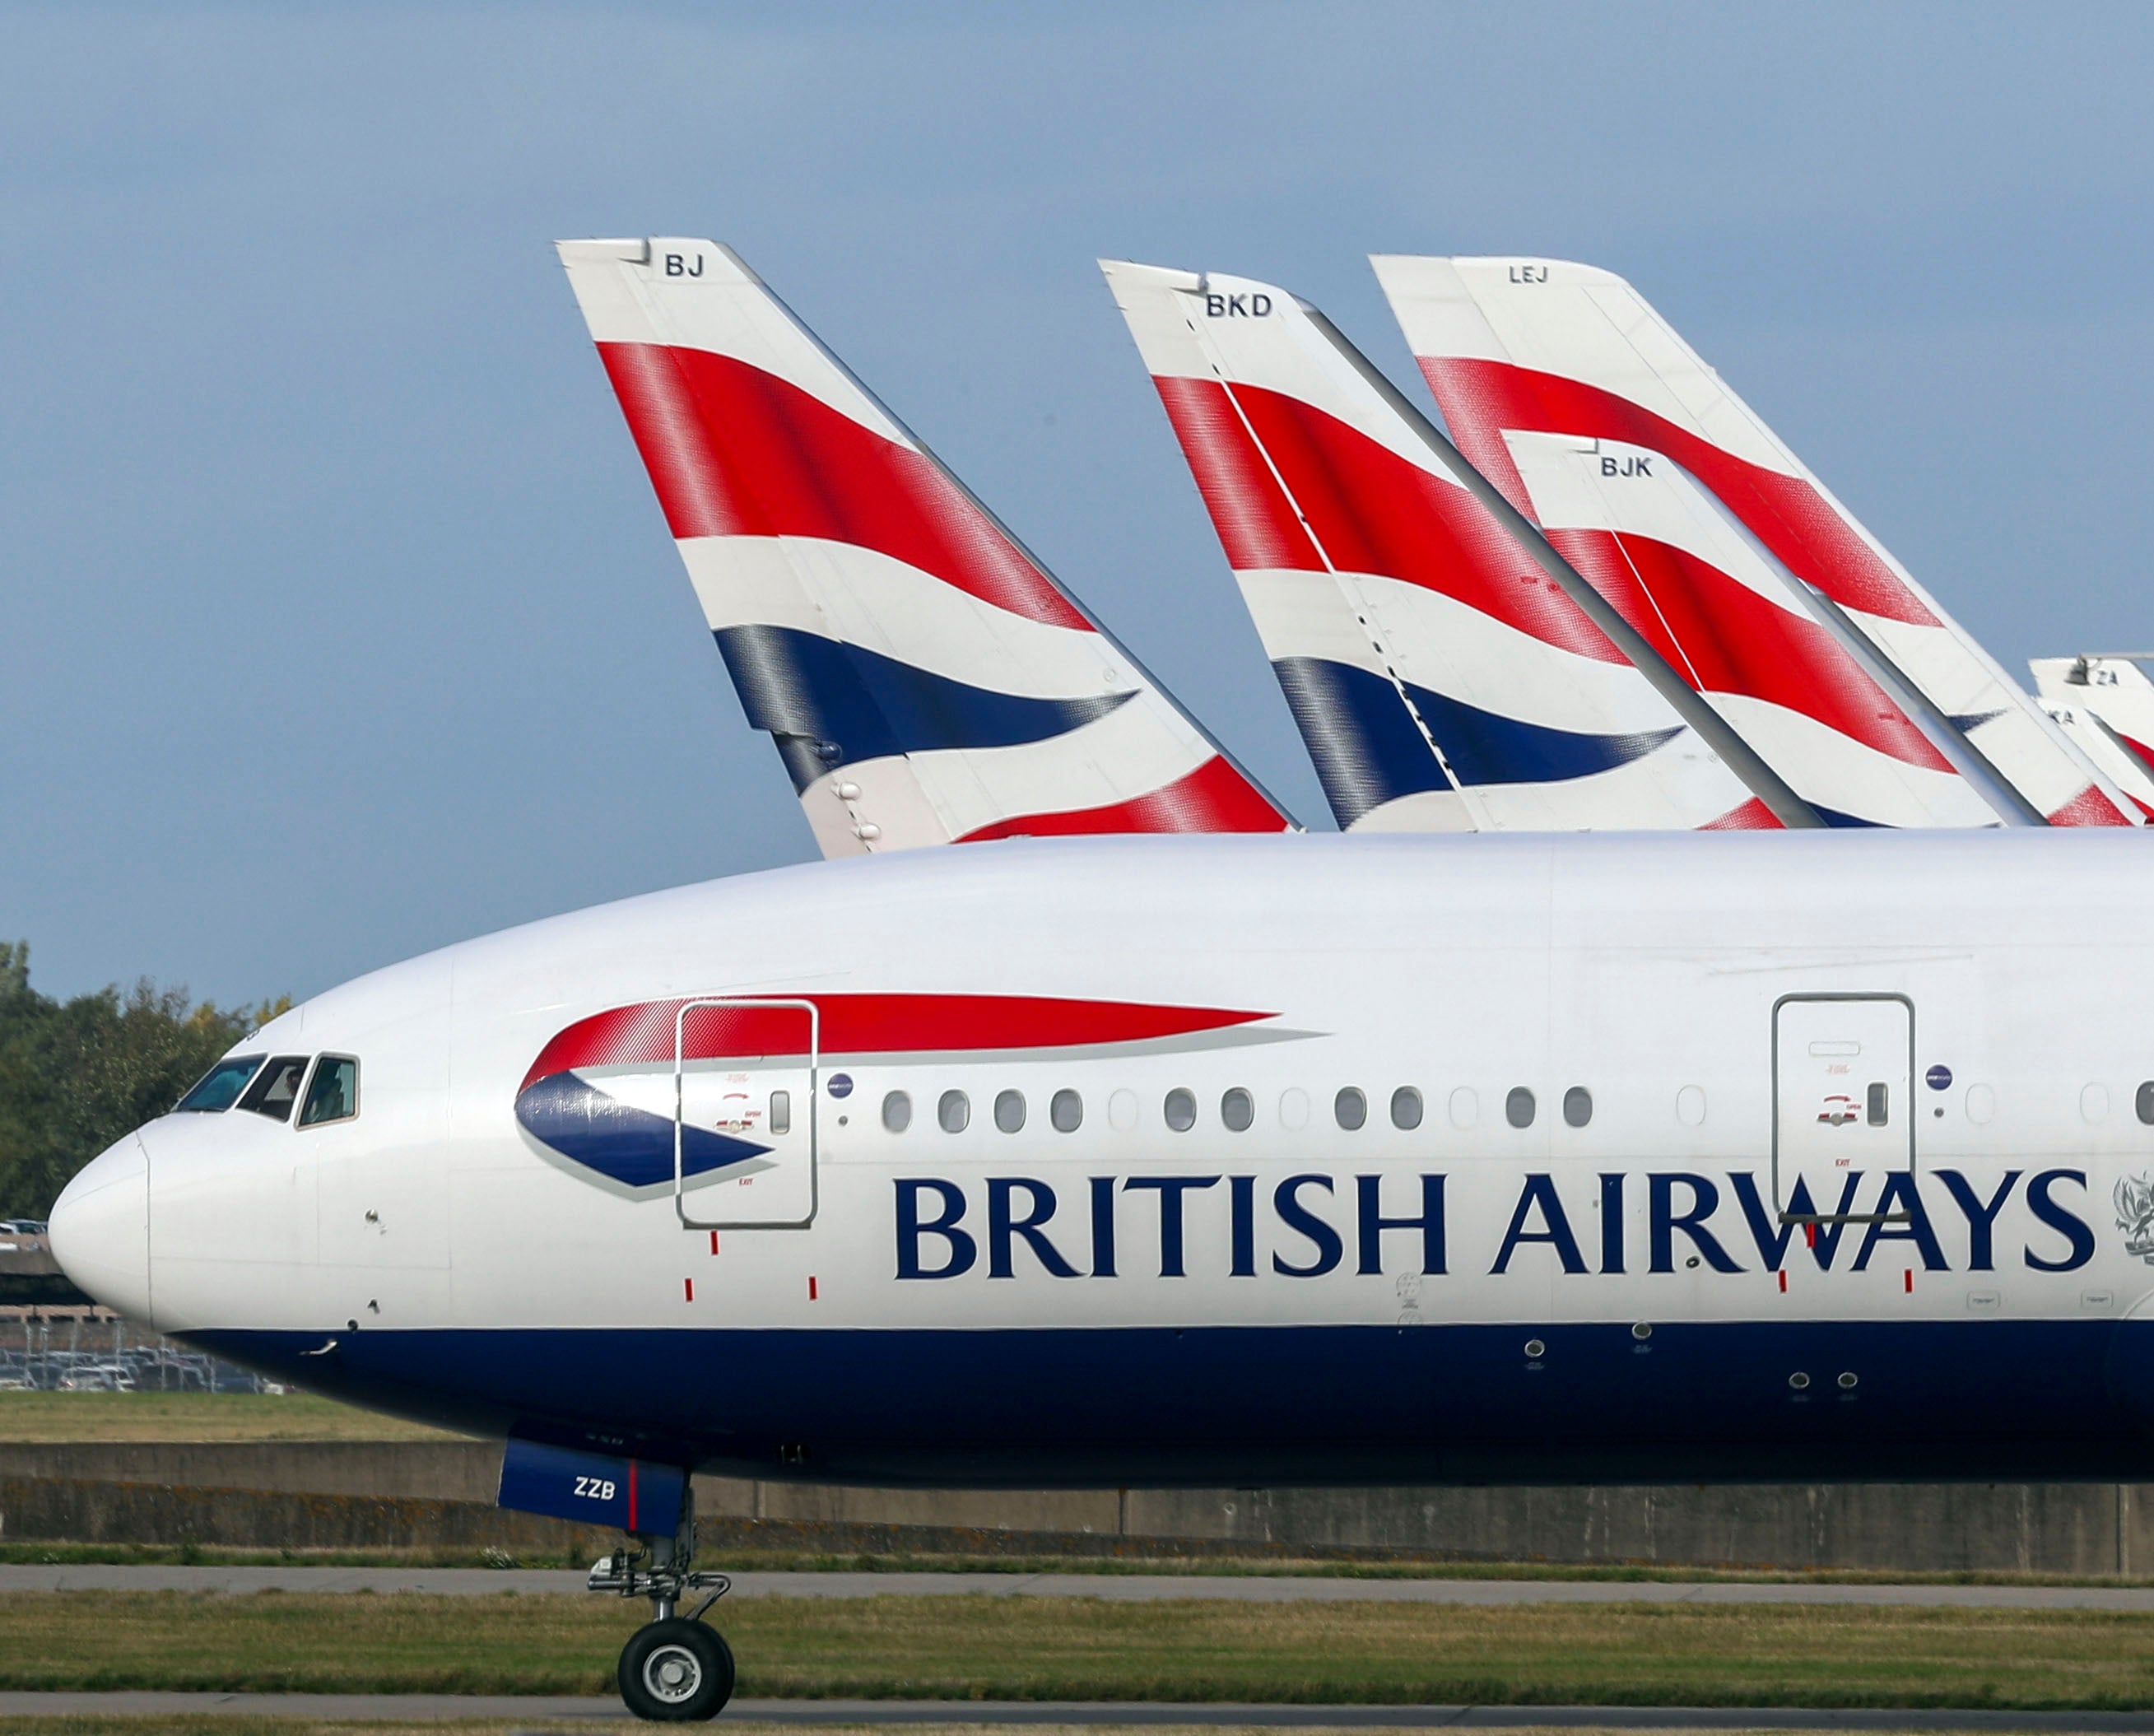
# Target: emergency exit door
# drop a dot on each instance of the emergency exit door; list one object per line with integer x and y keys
{"x": 744, "y": 1113}
{"x": 1843, "y": 1101}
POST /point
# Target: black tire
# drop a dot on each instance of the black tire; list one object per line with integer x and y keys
{"x": 675, "y": 1671}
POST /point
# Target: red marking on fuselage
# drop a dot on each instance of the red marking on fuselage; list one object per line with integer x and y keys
{"x": 867, "y": 1024}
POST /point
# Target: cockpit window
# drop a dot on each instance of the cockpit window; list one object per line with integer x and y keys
{"x": 274, "y": 1088}
{"x": 333, "y": 1093}
{"x": 221, "y": 1086}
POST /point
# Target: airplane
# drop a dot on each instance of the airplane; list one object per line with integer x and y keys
{"x": 926, "y": 680}
{"x": 1533, "y": 362}
{"x": 1409, "y": 584}
{"x": 2104, "y": 702}
{"x": 1263, "y": 1159}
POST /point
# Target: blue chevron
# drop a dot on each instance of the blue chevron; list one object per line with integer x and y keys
{"x": 831, "y": 704}
{"x": 632, "y": 1146}
{"x": 1368, "y": 752}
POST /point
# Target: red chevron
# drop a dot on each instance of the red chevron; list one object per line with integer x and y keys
{"x": 1481, "y": 398}
{"x": 1722, "y": 637}
{"x": 1214, "y": 797}
{"x": 733, "y": 451}
{"x": 1372, "y": 511}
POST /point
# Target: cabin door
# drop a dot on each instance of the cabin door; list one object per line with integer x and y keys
{"x": 744, "y": 1113}
{"x": 1843, "y": 1102}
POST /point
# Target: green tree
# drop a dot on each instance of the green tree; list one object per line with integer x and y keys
{"x": 77, "y": 1075}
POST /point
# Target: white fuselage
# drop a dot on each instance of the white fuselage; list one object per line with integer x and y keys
{"x": 1137, "y": 1299}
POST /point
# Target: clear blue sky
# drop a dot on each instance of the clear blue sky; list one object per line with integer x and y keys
{"x": 337, "y": 622}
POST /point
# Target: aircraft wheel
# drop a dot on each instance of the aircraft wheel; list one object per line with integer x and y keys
{"x": 675, "y": 1671}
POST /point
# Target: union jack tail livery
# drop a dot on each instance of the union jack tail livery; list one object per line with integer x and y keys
{"x": 1440, "y": 680}
{"x": 2105, "y": 704}
{"x": 1545, "y": 369}
{"x": 925, "y": 679}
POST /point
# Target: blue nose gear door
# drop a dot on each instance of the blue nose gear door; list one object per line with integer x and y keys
{"x": 744, "y": 1113}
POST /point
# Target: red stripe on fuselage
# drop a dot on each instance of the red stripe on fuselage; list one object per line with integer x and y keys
{"x": 1373, "y": 511}
{"x": 1214, "y": 797}
{"x": 733, "y": 451}
{"x": 867, "y": 1024}
{"x": 1722, "y": 637}
{"x": 1480, "y": 398}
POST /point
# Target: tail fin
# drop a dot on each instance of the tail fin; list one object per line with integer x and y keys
{"x": 925, "y": 679}
{"x": 1517, "y": 348}
{"x": 1440, "y": 681}
{"x": 2105, "y": 704}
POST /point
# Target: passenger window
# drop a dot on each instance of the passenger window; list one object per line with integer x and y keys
{"x": 1181, "y": 1110}
{"x": 1880, "y": 1104}
{"x": 221, "y": 1086}
{"x": 2145, "y": 1104}
{"x": 897, "y": 1111}
{"x": 1350, "y": 1109}
{"x": 333, "y": 1093}
{"x": 275, "y": 1086}
{"x": 1577, "y": 1106}
{"x": 781, "y": 1112}
{"x": 1067, "y": 1112}
{"x": 954, "y": 1111}
{"x": 1238, "y": 1109}
{"x": 1519, "y": 1107}
{"x": 1406, "y": 1108}
{"x": 1009, "y": 1112}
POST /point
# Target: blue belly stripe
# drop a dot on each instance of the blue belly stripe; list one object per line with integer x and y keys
{"x": 1459, "y": 1404}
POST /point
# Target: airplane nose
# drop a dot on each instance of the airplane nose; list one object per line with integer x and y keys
{"x": 100, "y": 1228}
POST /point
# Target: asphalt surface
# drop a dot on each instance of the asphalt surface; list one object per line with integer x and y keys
{"x": 557, "y": 1709}
{"x": 1120, "y": 1588}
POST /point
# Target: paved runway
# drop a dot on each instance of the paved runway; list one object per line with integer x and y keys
{"x": 1115, "y": 1587}
{"x": 555, "y": 1710}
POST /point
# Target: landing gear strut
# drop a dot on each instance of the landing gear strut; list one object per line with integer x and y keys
{"x": 674, "y": 1668}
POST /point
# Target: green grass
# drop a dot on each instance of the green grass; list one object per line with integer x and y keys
{"x": 1079, "y": 1649}
{"x": 47, "y": 1417}
{"x": 195, "y": 1724}
{"x": 1196, "y": 1568}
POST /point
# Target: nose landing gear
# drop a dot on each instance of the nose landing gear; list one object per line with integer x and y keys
{"x": 674, "y": 1668}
